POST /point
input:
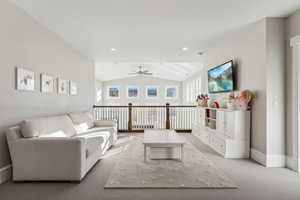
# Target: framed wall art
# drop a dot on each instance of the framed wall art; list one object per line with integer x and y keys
{"x": 25, "y": 79}
{"x": 73, "y": 88}
{"x": 62, "y": 86}
{"x": 47, "y": 83}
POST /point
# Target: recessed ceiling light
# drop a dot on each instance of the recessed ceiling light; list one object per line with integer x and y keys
{"x": 113, "y": 49}
{"x": 185, "y": 48}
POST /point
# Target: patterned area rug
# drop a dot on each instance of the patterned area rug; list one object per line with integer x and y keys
{"x": 196, "y": 171}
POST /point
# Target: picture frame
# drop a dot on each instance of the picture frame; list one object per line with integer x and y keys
{"x": 62, "y": 86}
{"x": 73, "y": 88}
{"x": 25, "y": 79}
{"x": 171, "y": 92}
{"x": 133, "y": 92}
{"x": 47, "y": 83}
{"x": 113, "y": 92}
{"x": 152, "y": 92}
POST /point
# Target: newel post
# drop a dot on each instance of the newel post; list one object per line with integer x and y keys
{"x": 168, "y": 116}
{"x": 130, "y": 116}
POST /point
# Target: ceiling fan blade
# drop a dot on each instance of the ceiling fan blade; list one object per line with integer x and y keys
{"x": 145, "y": 71}
{"x": 148, "y": 73}
{"x": 134, "y": 73}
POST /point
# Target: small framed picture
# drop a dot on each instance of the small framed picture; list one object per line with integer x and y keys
{"x": 171, "y": 92}
{"x": 25, "y": 79}
{"x": 62, "y": 86}
{"x": 151, "y": 92}
{"x": 113, "y": 92}
{"x": 132, "y": 92}
{"x": 73, "y": 88}
{"x": 47, "y": 83}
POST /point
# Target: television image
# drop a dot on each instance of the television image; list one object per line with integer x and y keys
{"x": 220, "y": 78}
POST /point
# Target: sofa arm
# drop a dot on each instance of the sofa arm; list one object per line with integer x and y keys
{"x": 112, "y": 123}
{"x": 48, "y": 158}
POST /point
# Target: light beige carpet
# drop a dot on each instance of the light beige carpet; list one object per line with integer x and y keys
{"x": 196, "y": 171}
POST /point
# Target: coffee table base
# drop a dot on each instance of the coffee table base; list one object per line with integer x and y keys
{"x": 166, "y": 151}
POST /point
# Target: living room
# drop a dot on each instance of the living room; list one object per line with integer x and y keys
{"x": 118, "y": 100}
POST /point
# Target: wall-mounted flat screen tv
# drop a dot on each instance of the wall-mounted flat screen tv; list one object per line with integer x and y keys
{"x": 221, "y": 78}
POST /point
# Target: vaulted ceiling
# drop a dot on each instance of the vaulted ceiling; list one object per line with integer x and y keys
{"x": 171, "y": 71}
{"x": 149, "y": 31}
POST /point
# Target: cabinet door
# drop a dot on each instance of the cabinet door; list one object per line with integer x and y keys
{"x": 220, "y": 123}
{"x": 202, "y": 117}
{"x": 229, "y": 124}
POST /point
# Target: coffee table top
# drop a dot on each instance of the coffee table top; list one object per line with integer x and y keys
{"x": 162, "y": 137}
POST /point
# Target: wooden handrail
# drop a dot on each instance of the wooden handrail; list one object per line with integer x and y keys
{"x": 145, "y": 106}
{"x": 97, "y": 106}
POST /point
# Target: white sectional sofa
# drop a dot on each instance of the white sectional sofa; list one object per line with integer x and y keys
{"x": 58, "y": 148}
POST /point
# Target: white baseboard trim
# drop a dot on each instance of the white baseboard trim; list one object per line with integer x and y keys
{"x": 268, "y": 160}
{"x": 237, "y": 155}
{"x": 258, "y": 157}
{"x": 5, "y": 173}
{"x": 291, "y": 163}
{"x": 276, "y": 160}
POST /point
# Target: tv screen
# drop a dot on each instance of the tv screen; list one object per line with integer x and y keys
{"x": 220, "y": 78}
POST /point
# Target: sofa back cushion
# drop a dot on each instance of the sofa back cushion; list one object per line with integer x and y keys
{"x": 82, "y": 121}
{"x": 56, "y": 126}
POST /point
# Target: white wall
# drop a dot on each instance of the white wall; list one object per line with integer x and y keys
{"x": 246, "y": 46}
{"x": 258, "y": 54}
{"x": 98, "y": 92}
{"x": 141, "y": 82}
{"x": 26, "y": 43}
{"x": 292, "y": 29}
{"x": 275, "y": 77}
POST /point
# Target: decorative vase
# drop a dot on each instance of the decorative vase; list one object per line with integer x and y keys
{"x": 203, "y": 103}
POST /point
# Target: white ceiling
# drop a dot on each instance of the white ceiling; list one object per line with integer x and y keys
{"x": 106, "y": 71}
{"x": 149, "y": 31}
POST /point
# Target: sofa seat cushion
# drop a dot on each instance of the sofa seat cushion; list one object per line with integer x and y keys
{"x": 82, "y": 121}
{"x": 104, "y": 135}
{"x": 57, "y": 126}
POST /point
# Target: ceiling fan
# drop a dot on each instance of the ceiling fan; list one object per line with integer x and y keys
{"x": 140, "y": 71}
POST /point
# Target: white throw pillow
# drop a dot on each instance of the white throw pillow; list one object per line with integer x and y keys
{"x": 82, "y": 121}
{"x": 32, "y": 128}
